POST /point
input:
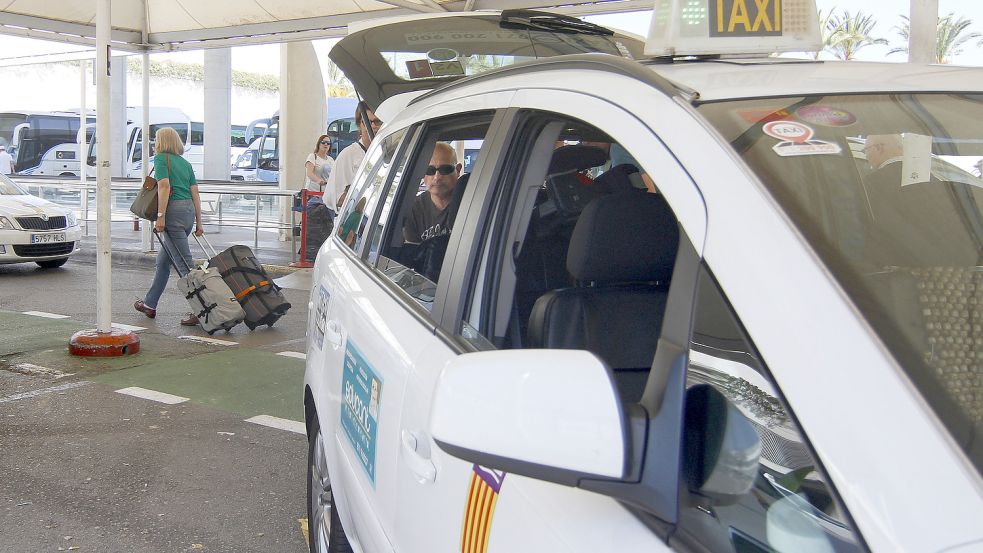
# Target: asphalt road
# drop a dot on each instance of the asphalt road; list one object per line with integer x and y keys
{"x": 84, "y": 466}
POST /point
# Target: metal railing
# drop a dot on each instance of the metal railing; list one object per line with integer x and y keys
{"x": 224, "y": 203}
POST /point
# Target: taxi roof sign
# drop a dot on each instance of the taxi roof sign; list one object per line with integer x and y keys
{"x": 707, "y": 27}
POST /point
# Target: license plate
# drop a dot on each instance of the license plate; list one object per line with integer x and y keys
{"x": 45, "y": 238}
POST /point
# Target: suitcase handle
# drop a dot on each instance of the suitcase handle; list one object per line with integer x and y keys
{"x": 209, "y": 250}
{"x": 171, "y": 255}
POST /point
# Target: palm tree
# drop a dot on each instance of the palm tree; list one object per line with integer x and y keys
{"x": 850, "y": 33}
{"x": 949, "y": 37}
{"x": 828, "y": 28}
{"x": 336, "y": 83}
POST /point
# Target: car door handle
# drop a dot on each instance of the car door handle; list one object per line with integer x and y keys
{"x": 419, "y": 465}
{"x": 332, "y": 333}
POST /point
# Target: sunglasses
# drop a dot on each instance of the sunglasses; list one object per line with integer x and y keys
{"x": 443, "y": 169}
{"x": 325, "y": 142}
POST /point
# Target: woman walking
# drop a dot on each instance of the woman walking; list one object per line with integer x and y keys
{"x": 179, "y": 211}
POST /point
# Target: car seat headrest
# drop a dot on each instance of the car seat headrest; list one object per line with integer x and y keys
{"x": 576, "y": 157}
{"x": 624, "y": 237}
{"x": 617, "y": 179}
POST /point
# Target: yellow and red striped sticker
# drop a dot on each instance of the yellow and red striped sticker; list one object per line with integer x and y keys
{"x": 482, "y": 497}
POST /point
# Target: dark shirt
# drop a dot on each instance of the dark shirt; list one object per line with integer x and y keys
{"x": 425, "y": 220}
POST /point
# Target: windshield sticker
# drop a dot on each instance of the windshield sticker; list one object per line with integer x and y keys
{"x": 321, "y": 315}
{"x": 446, "y": 68}
{"x": 419, "y": 69}
{"x": 826, "y": 116}
{"x": 763, "y": 115}
{"x": 483, "y": 492}
{"x": 745, "y": 18}
{"x": 361, "y": 388}
{"x": 796, "y": 140}
{"x": 916, "y": 158}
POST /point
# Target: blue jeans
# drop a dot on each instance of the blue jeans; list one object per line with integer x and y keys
{"x": 178, "y": 224}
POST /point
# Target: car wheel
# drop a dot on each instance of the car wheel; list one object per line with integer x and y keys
{"x": 324, "y": 526}
{"x": 52, "y": 264}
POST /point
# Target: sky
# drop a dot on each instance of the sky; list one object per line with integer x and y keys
{"x": 887, "y": 13}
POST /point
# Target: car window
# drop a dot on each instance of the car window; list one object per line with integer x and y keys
{"x": 579, "y": 251}
{"x": 791, "y": 506}
{"x": 420, "y": 210}
{"x": 370, "y": 185}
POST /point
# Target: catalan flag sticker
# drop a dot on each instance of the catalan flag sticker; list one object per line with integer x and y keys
{"x": 482, "y": 497}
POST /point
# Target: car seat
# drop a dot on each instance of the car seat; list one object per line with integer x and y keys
{"x": 621, "y": 254}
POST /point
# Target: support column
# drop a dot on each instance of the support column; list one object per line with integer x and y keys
{"x": 83, "y": 143}
{"x": 117, "y": 110}
{"x": 146, "y": 232}
{"x": 218, "y": 113}
{"x": 303, "y": 113}
{"x": 924, "y": 22}
{"x": 104, "y": 119}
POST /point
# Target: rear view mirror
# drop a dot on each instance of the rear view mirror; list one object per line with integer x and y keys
{"x": 721, "y": 447}
{"x": 554, "y": 415}
{"x": 270, "y": 164}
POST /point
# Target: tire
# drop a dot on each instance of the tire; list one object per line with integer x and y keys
{"x": 52, "y": 264}
{"x": 324, "y": 527}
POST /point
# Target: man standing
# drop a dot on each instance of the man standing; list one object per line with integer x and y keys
{"x": 350, "y": 158}
{"x": 429, "y": 216}
{"x": 6, "y": 161}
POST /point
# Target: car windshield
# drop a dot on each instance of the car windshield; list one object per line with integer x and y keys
{"x": 887, "y": 190}
{"x": 10, "y": 188}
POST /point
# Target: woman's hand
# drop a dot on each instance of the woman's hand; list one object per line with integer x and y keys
{"x": 198, "y": 230}
{"x": 159, "y": 224}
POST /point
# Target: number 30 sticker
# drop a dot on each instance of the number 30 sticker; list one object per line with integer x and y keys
{"x": 796, "y": 140}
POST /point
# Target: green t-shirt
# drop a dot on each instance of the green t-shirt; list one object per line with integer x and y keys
{"x": 181, "y": 175}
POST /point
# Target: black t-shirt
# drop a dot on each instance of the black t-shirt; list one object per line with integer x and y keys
{"x": 425, "y": 220}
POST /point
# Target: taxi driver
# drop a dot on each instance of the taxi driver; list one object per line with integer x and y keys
{"x": 429, "y": 216}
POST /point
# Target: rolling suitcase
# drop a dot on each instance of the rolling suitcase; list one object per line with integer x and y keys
{"x": 258, "y": 295}
{"x": 208, "y": 295}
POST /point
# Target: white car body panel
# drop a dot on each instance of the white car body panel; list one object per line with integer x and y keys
{"x": 12, "y": 207}
{"x": 906, "y": 484}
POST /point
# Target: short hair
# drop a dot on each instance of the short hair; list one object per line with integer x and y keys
{"x": 451, "y": 152}
{"x": 168, "y": 141}
{"x": 318, "y": 143}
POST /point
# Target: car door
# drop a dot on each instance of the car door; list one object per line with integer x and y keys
{"x": 362, "y": 340}
{"x": 470, "y": 507}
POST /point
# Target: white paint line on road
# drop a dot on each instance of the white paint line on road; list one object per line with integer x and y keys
{"x": 37, "y": 370}
{"x": 131, "y": 328}
{"x": 46, "y": 315}
{"x": 152, "y": 395}
{"x": 43, "y": 391}
{"x": 214, "y": 341}
{"x": 294, "y": 354}
{"x": 279, "y": 424}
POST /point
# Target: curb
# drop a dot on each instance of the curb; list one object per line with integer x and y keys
{"x": 148, "y": 260}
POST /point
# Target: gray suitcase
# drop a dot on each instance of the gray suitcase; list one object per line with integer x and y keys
{"x": 209, "y": 297}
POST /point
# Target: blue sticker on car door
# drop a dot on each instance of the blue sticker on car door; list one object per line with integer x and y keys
{"x": 361, "y": 388}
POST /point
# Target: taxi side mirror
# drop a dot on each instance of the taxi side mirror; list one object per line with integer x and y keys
{"x": 554, "y": 415}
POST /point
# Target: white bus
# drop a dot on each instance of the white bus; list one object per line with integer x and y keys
{"x": 191, "y": 132}
{"x": 43, "y": 142}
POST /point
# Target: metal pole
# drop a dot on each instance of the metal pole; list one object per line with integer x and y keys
{"x": 256, "y": 225}
{"x": 145, "y": 239}
{"x": 83, "y": 145}
{"x": 924, "y": 22}
{"x": 293, "y": 237}
{"x": 104, "y": 244}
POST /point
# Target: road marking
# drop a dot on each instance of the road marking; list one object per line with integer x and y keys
{"x": 304, "y": 531}
{"x": 152, "y": 395}
{"x": 46, "y": 315}
{"x": 37, "y": 370}
{"x": 43, "y": 391}
{"x": 204, "y": 340}
{"x": 294, "y": 354}
{"x": 131, "y": 328}
{"x": 279, "y": 424}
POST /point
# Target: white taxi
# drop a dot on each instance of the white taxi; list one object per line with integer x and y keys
{"x": 34, "y": 229}
{"x": 682, "y": 302}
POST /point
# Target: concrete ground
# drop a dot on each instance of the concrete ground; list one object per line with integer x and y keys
{"x": 193, "y": 444}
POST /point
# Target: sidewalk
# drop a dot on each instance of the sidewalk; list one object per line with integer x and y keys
{"x": 128, "y": 248}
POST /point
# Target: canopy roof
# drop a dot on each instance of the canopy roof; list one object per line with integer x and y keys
{"x": 166, "y": 25}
